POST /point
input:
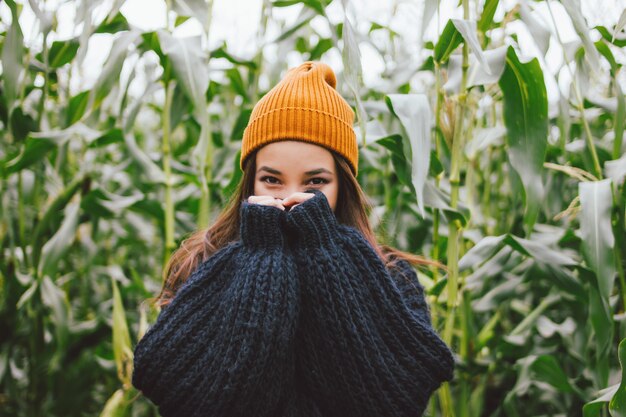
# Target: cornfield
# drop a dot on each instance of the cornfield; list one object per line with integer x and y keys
{"x": 494, "y": 146}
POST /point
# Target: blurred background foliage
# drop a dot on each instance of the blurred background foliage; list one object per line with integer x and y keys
{"x": 506, "y": 166}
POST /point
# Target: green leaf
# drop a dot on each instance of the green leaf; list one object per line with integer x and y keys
{"x": 616, "y": 169}
{"x": 503, "y": 291}
{"x": 116, "y": 406}
{"x": 237, "y": 83}
{"x": 112, "y": 136}
{"x": 241, "y": 123}
{"x": 22, "y": 124}
{"x": 481, "y": 251}
{"x": 545, "y": 368}
{"x": 617, "y": 405}
{"x": 601, "y": 321}
{"x": 77, "y": 107}
{"x": 430, "y": 8}
{"x": 57, "y": 301}
{"x": 152, "y": 171}
{"x": 449, "y": 40}
{"x": 482, "y": 139}
{"x": 594, "y": 407}
{"x": 12, "y": 60}
{"x": 596, "y": 201}
{"x": 113, "y": 25}
{"x": 113, "y": 67}
{"x": 28, "y": 294}
{"x": 33, "y": 151}
{"x": 321, "y": 46}
{"x": 620, "y": 117}
{"x": 607, "y": 36}
{"x": 435, "y": 198}
{"x": 477, "y": 74}
{"x": 540, "y": 34}
{"x": 467, "y": 29}
{"x": 48, "y": 221}
{"x": 197, "y": 9}
{"x": 401, "y": 167}
{"x": 620, "y": 25}
{"x": 190, "y": 68}
{"x": 436, "y": 167}
{"x": 38, "y": 144}
{"x": 180, "y": 20}
{"x": 488, "y": 332}
{"x": 44, "y": 16}
{"x": 150, "y": 42}
{"x": 604, "y": 49}
{"x": 580, "y": 25}
{"x": 236, "y": 176}
{"x": 414, "y": 113}
{"x": 316, "y": 5}
{"x": 54, "y": 249}
{"x": 486, "y": 17}
{"x": 122, "y": 349}
{"x": 305, "y": 16}
{"x": 539, "y": 251}
{"x": 285, "y": 3}
{"x": 489, "y": 245}
{"x": 353, "y": 72}
{"x": 62, "y": 52}
{"x": 222, "y": 53}
{"x": 526, "y": 118}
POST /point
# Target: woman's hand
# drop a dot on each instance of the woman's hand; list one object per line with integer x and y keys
{"x": 266, "y": 200}
{"x": 289, "y": 202}
{"x": 296, "y": 198}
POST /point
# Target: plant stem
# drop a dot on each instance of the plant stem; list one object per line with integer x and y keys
{"x": 454, "y": 227}
{"x": 21, "y": 213}
{"x": 436, "y": 213}
{"x": 206, "y": 175}
{"x": 170, "y": 244}
{"x": 44, "y": 88}
{"x": 486, "y": 200}
{"x": 579, "y": 102}
{"x": 618, "y": 231}
{"x": 455, "y": 178}
{"x": 619, "y": 137}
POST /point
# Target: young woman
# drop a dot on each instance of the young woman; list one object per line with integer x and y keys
{"x": 287, "y": 306}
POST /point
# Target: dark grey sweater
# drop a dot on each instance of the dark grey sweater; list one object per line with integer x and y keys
{"x": 298, "y": 318}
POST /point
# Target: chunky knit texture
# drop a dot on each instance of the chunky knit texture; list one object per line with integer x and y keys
{"x": 298, "y": 318}
{"x": 304, "y": 106}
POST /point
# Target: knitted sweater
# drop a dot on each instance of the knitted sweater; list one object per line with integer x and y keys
{"x": 300, "y": 317}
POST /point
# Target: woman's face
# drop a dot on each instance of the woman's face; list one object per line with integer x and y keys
{"x": 287, "y": 167}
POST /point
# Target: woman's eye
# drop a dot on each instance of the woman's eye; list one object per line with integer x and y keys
{"x": 269, "y": 180}
{"x": 319, "y": 181}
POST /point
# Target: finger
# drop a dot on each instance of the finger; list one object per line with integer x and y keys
{"x": 297, "y": 198}
{"x": 266, "y": 201}
{"x": 255, "y": 198}
{"x": 260, "y": 198}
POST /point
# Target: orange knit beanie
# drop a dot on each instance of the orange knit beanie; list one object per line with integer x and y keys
{"x": 304, "y": 106}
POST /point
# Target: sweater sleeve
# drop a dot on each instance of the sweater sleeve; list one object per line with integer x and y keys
{"x": 224, "y": 346}
{"x": 411, "y": 290}
{"x": 369, "y": 351}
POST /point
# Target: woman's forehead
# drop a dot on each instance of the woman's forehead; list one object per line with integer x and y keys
{"x": 294, "y": 155}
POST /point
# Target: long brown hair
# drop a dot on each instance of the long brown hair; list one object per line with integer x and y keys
{"x": 352, "y": 209}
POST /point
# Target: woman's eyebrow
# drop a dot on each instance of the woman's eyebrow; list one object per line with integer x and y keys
{"x": 270, "y": 170}
{"x": 312, "y": 172}
{"x": 318, "y": 171}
